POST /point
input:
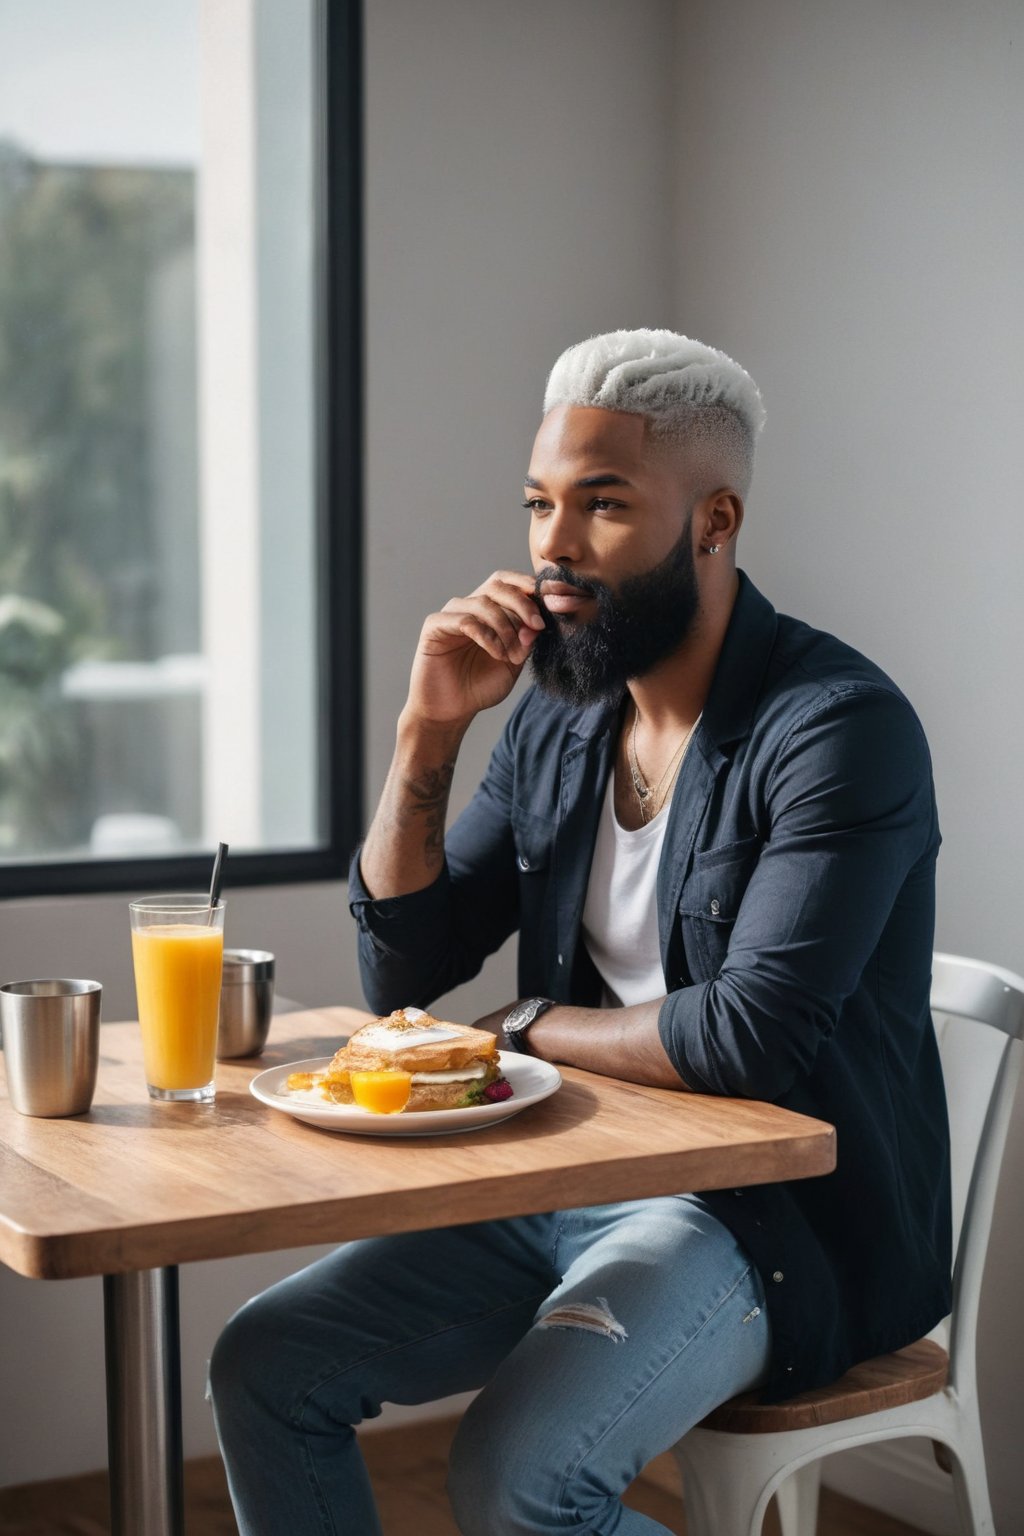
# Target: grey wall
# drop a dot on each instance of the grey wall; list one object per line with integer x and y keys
{"x": 849, "y": 219}
{"x": 510, "y": 211}
{"x": 829, "y": 191}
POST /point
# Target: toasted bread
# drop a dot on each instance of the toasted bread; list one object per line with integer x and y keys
{"x": 410, "y": 1041}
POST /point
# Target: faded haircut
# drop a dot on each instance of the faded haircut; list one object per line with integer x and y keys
{"x": 689, "y": 394}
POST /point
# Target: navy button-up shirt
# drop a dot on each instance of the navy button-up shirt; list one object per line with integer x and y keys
{"x": 796, "y": 896}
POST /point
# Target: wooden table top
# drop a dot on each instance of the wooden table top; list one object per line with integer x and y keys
{"x": 137, "y": 1185}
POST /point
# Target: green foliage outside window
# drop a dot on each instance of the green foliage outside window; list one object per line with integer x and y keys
{"x": 79, "y": 248}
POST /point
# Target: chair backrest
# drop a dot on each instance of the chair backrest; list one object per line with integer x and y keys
{"x": 979, "y": 1022}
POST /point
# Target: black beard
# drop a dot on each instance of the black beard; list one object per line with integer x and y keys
{"x": 585, "y": 662}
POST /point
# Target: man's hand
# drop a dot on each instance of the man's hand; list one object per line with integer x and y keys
{"x": 471, "y": 653}
{"x": 468, "y": 659}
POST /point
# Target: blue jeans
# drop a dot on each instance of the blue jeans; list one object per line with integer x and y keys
{"x": 599, "y": 1337}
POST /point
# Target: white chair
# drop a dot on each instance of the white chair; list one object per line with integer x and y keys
{"x": 743, "y": 1453}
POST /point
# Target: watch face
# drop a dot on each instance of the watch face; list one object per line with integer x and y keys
{"x": 523, "y": 1014}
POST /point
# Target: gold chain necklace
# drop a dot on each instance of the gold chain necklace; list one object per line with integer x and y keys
{"x": 650, "y": 800}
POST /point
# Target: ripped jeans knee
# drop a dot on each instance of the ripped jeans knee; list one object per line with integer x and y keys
{"x": 586, "y": 1315}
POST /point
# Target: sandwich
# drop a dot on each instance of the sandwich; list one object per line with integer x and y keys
{"x": 411, "y": 1061}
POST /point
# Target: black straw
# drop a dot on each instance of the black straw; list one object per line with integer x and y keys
{"x": 218, "y": 876}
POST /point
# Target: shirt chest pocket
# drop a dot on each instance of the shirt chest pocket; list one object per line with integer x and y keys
{"x": 710, "y": 903}
{"x": 532, "y": 839}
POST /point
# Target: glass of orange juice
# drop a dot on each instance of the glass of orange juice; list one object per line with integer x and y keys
{"x": 178, "y": 946}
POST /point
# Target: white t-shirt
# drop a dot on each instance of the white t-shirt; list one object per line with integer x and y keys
{"x": 620, "y": 915}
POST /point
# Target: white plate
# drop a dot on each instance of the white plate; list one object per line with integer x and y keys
{"x": 531, "y": 1081}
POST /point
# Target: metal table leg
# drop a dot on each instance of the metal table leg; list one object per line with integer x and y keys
{"x": 144, "y": 1402}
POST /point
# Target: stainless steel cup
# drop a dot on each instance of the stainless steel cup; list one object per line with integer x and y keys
{"x": 246, "y": 1002}
{"x": 51, "y": 1038}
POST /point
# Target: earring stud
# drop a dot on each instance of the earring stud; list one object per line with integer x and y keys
{"x": 713, "y": 549}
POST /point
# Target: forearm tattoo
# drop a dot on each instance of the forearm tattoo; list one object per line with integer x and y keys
{"x": 426, "y": 799}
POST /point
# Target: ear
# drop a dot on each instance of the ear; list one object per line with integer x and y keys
{"x": 718, "y": 519}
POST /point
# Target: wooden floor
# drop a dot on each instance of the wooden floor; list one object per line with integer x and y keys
{"x": 407, "y": 1466}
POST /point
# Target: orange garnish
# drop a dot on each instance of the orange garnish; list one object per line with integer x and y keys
{"x": 384, "y": 1093}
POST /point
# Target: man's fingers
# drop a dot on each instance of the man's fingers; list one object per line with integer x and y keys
{"x": 484, "y": 636}
{"x": 505, "y": 618}
{"x": 514, "y": 591}
{"x": 450, "y": 629}
{"x": 505, "y": 625}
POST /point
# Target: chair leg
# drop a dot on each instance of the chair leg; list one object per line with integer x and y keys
{"x": 797, "y": 1501}
{"x": 970, "y": 1483}
{"x": 723, "y": 1492}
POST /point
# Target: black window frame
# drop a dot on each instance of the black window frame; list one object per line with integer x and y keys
{"x": 338, "y": 287}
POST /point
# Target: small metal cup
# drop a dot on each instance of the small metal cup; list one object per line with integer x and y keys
{"x": 51, "y": 1036}
{"x": 246, "y": 1002}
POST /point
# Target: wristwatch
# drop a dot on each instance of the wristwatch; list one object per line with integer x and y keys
{"x": 513, "y": 1030}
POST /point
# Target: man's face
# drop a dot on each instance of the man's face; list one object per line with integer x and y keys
{"x": 612, "y": 549}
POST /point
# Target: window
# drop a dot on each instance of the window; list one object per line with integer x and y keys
{"x": 180, "y": 362}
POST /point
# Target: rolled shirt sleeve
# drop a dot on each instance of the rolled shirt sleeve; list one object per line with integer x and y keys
{"x": 850, "y": 811}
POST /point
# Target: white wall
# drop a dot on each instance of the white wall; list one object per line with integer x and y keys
{"x": 849, "y": 221}
{"x": 510, "y": 211}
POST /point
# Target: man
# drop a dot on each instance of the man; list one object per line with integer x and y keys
{"x": 714, "y": 829}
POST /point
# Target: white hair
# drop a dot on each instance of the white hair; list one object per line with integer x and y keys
{"x": 686, "y": 391}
